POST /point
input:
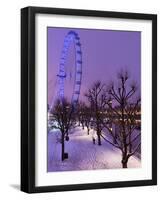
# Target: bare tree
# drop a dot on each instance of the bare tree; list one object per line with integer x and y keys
{"x": 80, "y": 113}
{"x": 84, "y": 116}
{"x": 62, "y": 120}
{"x": 125, "y": 113}
{"x": 87, "y": 118}
{"x": 97, "y": 98}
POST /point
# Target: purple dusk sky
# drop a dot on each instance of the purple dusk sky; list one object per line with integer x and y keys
{"x": 104, "y": 54}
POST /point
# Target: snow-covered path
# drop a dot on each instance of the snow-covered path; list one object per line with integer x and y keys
{"x": 83, "y": 154}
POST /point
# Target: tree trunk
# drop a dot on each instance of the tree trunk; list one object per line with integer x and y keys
{"x": 82, "y": 126}
{"x": 124, "y": 164}
{"x": 63, "y": 147}
{"x": 99, "y": 138}
{"x": 130, "y": 148}
{"x": 88, "y": 131}
{"x": 130, "y": 145}
{"x": 124, "y": 161}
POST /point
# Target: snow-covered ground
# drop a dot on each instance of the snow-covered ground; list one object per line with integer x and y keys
{"x": 83, "y": 154}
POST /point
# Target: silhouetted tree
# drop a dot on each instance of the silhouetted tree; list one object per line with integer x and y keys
{"x": 97, "y": 96}
{"x": 63, "y": 120}
{"x": 80, "y": 114}
{"x": 87, "y": 118}
{"x": 125, "y": 115}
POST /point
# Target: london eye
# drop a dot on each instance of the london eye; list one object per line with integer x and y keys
{"x": 63, "y": 73}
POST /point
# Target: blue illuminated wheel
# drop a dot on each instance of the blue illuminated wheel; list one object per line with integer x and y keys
{"x": 71, "y": 37}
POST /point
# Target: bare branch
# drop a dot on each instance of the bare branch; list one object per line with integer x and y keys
{"x": 134, "y": 139}
{"x": 131, "y": 154}
{"x": 110, "y": 142}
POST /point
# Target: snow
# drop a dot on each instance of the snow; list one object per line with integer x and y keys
{"x": 83, "y": 154}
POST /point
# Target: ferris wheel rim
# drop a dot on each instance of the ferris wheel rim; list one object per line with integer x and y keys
{"x": 71, "y": 36}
